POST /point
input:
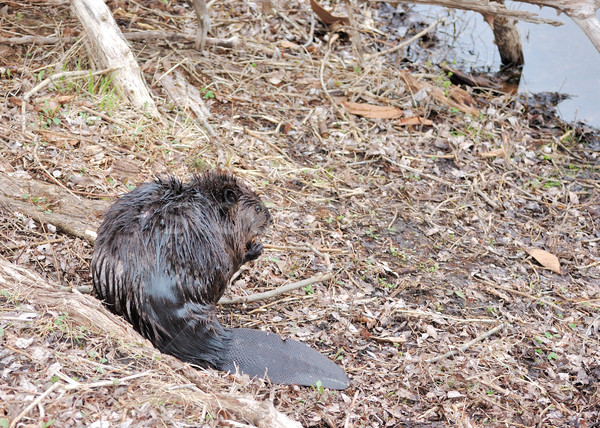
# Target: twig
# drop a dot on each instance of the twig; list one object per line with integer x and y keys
{"x": 467, "y": 345}
{"x": 591, "y": 265}
{"x": 106, "y": 118}
{"x": 73, "y": 384}
{"x": 133, "y": 36}
{"x": 434, "y": 316}
{"x": 45, "y": 171}
{"x": 312, "y": 31}
{"x": 354, "y": 34}
{"x": 34, "y": 40}
{"x": 416, "y": 171}
{"x": 519, "y": 293}
{"x": 406, "y": 42}
{"x": 485, "y": 197}
{"x": 332, "y": 40}
{"x": 261, "y": 138}
{"x": 487, "y": 7}
{"x": 276, "y": 292}
{"x": 34, "y": 403}
{"x": 34, "y": 244}
{"x": 349, "y": 411}
{"x": 302, "y": 248}
{"x": 112, "y": 382}
{"x": 51, "y": 79}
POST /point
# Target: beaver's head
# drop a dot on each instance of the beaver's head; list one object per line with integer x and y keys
{"x": 239, "y": 207}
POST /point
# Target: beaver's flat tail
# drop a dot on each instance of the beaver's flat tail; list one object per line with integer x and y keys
{"x": 257, "y": 353}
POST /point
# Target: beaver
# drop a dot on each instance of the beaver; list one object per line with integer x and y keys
{"x": 165, "y": 253}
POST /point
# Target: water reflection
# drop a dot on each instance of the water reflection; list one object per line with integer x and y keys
{"x": 557, "y": 59}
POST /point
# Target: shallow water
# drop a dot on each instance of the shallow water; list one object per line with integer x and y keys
{"x": 557, "y": 59}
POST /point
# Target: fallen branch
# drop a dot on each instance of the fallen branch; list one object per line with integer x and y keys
{"x": 582, "y": 12}
{"x": 180, "y": 37}
{"x": 591, "y": 27}
{"x": 407, "y": 42}
{"x": 278, "y": 291}
{"x": 186, "y": 96}
{"x": 72, "y": 215}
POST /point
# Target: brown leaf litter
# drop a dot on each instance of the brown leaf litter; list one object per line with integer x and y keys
{"x": 434, "y": 306}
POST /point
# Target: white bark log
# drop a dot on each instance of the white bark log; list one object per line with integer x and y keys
{"x": 109, "y": 49}
{"x": 582, "y": 12}
{"x": 591, "y": 28}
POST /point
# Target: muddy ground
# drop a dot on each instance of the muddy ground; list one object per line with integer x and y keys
{"x": 440, "y": 223}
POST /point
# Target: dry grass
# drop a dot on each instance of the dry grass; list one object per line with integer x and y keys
{"x": 425, "y": 228}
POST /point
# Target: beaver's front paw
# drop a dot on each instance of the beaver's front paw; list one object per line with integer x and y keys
{"x": 253, "y": 250}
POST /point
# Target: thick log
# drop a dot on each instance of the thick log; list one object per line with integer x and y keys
{"x": 109, "y": 49}
{"x": 508, "y": 40}
{"x": 591, "y": 27}
{"x": 70, "y": 214}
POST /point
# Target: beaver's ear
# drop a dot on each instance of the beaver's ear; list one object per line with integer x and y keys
{"x": 230, "y": 197}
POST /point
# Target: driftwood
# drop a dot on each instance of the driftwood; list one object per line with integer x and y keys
{"x": 583, "y": 12}
{"x": 109, "y": 49}
{"x": 89, "y": 312}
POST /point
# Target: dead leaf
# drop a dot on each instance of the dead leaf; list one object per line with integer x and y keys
{"x": 451, "y": 99}
{"x": 454, "y": 394}
{"x": 461, "y": 96}
{"x": 414, "y": 120}
{"x": 327, "y": 17}
{"x": 309, "y": 82}
{"x": 391, "y": 339}
{"x": 276, "y": 77}
{"x": 59, "y": 137}
{"x": 288, "y": 45}
{"x": 493, "y": 153}
{"x": 59, "y": 99}
{"x": 546, "y": 259}
{"x": 405, "y": 393}
{"x": 365, "y": 333}
{"x": 372, "y": 111}
{"x": 48, "y": 106}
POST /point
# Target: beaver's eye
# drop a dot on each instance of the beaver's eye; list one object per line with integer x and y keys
{"x": 257, "y": 208}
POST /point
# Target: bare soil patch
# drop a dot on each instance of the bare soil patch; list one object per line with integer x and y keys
{"x": 438, "y": 308}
